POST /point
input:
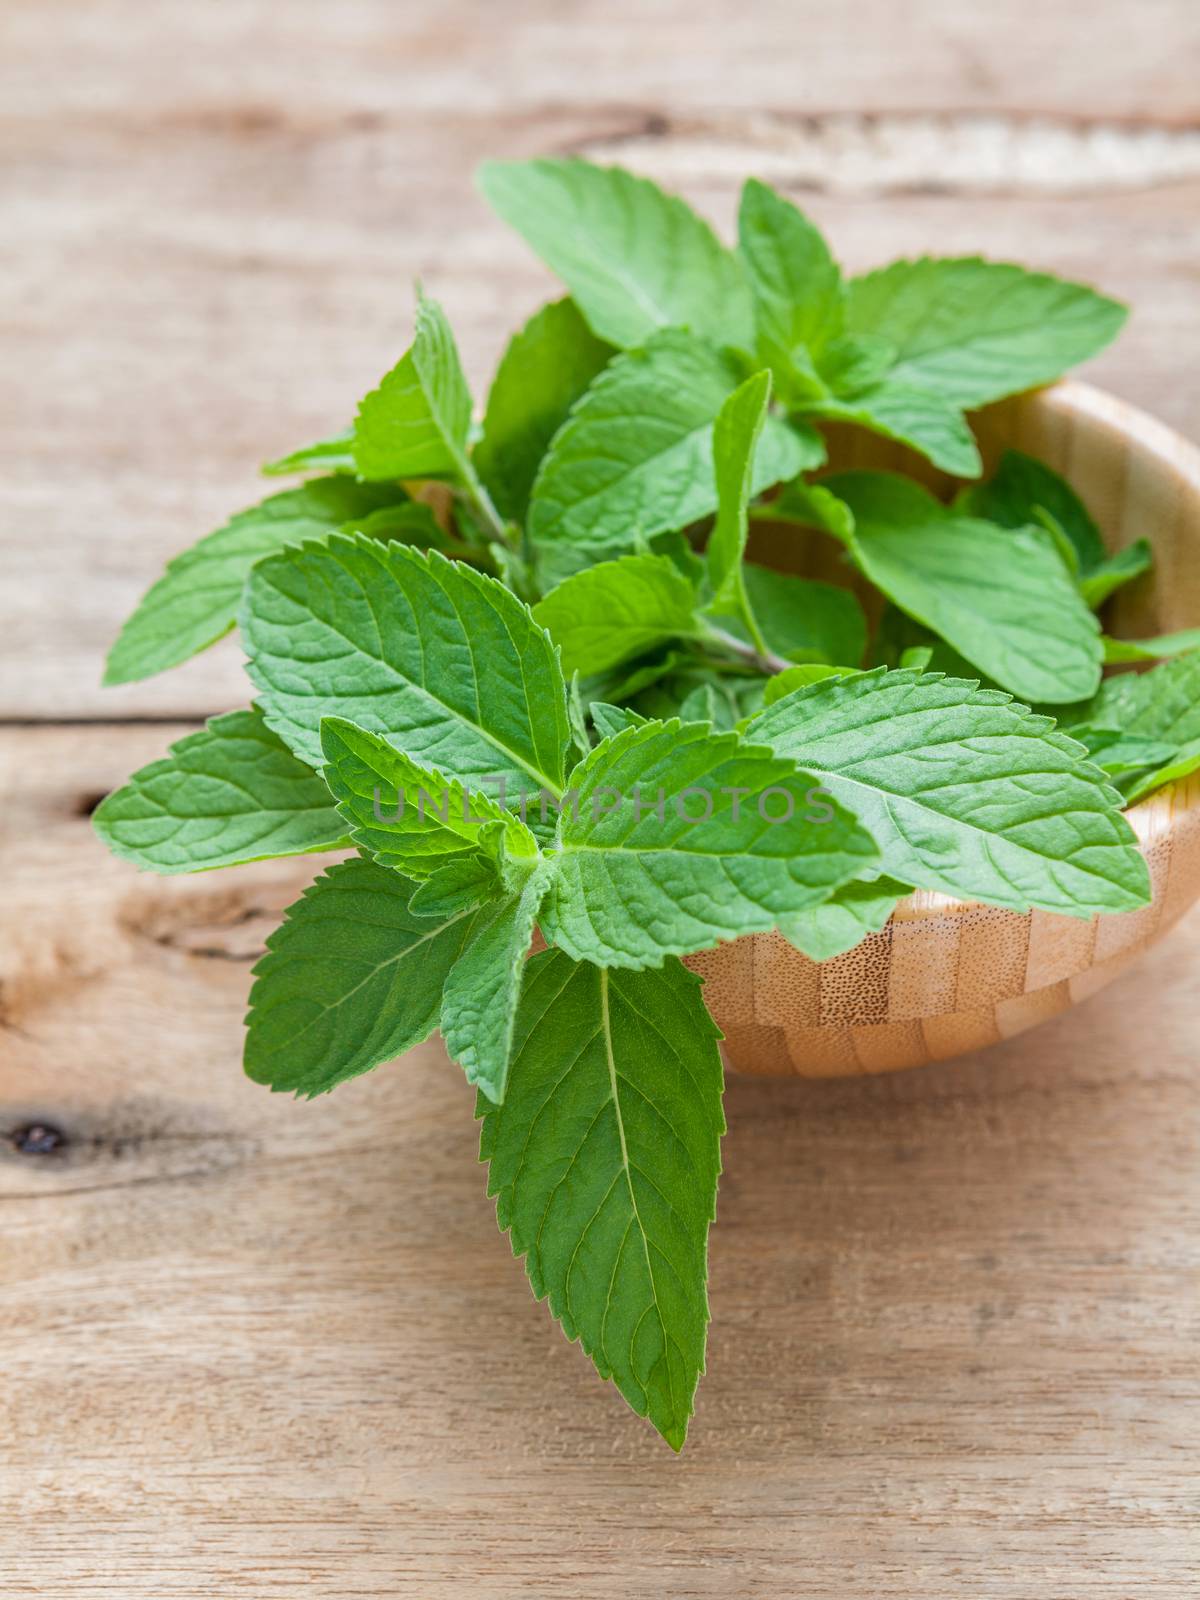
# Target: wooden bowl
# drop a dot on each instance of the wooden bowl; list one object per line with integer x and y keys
{"x": 947, "y": 976}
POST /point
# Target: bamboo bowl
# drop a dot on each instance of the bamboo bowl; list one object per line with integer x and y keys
{"x": 947, "y": 976}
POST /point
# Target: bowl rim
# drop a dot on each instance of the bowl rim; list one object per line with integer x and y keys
{"x": 1157, "y": 815}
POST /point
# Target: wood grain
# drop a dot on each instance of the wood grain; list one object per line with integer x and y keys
{"x": 253, "y": 1348}
{"x": 220, "y": 220}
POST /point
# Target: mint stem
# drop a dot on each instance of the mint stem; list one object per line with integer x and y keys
{"x": 764, "y": 660}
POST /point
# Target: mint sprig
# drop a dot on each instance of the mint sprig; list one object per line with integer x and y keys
{"x": 534, "y": 672}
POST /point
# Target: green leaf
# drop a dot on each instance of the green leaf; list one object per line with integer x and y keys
{"x": 964, "y": 790}
{"x": 736, "y": 433}
{"x": 479, "y": 1003}
{"x": 917, "y": 417}
{"x": 581, "y": 738}
{"x": 609, "y": 720}
{"x": 1136, "y": 558}
{"x": 733, "y": 849}
{"x": 703, "y": 704}
{"x": 327, "y": 455}
{"x": 615, "y": 610}
{"x": 800, "y": 677}
{"x": 416, "y": 423}
{"x": 1003, "y": 599}
{"x": 1119, "y": 651}
{"x": 231, "y": 793}
{"x": 1118, "y": 753}
{"x": 804, "y": 619}
{"x": 410, "y": 522}
{"x": 407, "y": 816}
{"x": 1020, "y": 487}
{"x": 635, "y": 458}
{"x": 195, "y": 602}
{"x": 900, "y": 642}
{"x": 1162, "y": 705}
{"x": 845, "y": 919}
{"x": 463, "y": 884}
{"x": 799, "y": 300}
{"x": 635, "y": 259}
{"x": 1182, "y": 764}
{"x": 352, "y": 978}
{"x": 700, "y": 691}
{"x": 627, "y": 682}
{"x": 443, "y": 661}
{"x": 811, "y": 506}
{"x": 604, "y": 1161}
{"x": 974, "y": 331}
{"x": 545, "y": 369}
{"x": 919, "y": 656}
{"x": 855, "y": 362}
{"x": 1024, "y": 490}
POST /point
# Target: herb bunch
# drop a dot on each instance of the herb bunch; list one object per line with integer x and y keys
{"x": 465, "y": 640}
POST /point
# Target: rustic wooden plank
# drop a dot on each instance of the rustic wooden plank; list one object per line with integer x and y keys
{"x": 219, "y": 220}
{"x": 253, "y": 1346}
{"x": 270, "y": 1345}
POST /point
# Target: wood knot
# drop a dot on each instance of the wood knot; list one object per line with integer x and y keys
{"x": 38, "y": 1139}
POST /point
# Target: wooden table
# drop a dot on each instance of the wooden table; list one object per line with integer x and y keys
{"x": 255, "y": 1348}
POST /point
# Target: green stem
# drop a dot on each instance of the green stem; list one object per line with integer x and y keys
{"x": 764, "y": 660}
{"x": 485, "y": 505}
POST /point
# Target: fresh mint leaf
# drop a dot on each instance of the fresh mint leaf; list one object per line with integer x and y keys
{"x": 855, "y": 362}
{"x": 626, "y": 683}
{"x": 1119, "y": 569}
{"x": 800, "y": 677}
{"x": 352, "y": 978}
{"x": 845, "y": 919}
{"x": 1162, "y": 705}
{"x": 974, "y": 331}
{"x": 444, "y": 662}
{"x": 603, "y": 1161}
{"x": 635, "y": 458}
{"x": 1024, "y": 491}
{"x": 195, "y": 602}
{"x": 407, "y": 816}
{"x": 804, "y": 619}
{"x": 964, "y": 790}
{"x": 581, "y": 738}
{"x": 900, "y": 642}
{"x": 1002, "y": 598}
{"x": 545, "y": 369}
{"x": 416, "y": 423}
{"x": 613, "y": 611}
{"x": 635, "y": 259}
{"x": 1118, "y": 754}
{"x": 678, "y": 548}
{"x": 409, "y": 522}
{"x": 736, "y": 433}
{"x": 1019, "y": 488}
{"x": 917, "y": 417}
{"x": 678, "y": 838}
{"x": 327, "y": 455}
{"x": 919, "y": 656}
{"x": 479, "y": 1003}
{"x": 610, "y": 720}
{"x": 463, "y": 884}
{"x": 231, "y": 793}
{"x": 811, "y": 506}
{"x": 799, "y": 299}
{"x": 700, "y": 691}
{"x": 1121, "y": 651}
{"x": 703, "y": 704}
